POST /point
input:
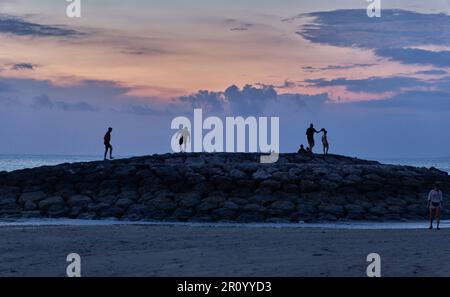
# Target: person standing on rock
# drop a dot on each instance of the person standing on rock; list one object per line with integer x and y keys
{"x": 108, "y": 146}
{"x": 184, "y": 138}
{"x": 435, "y": 205}
{"x": 325, "y": 144}
{"x": 310, "y": 136}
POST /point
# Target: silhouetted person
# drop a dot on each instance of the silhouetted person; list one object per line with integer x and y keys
{"x": 435, "y": 205}
{"x": 325, "y": 144}
{"x": 310, "y": 136}
{"x": 184, "y": 138}
{"x": 107, "y": 142}
{"x": 302, "y": 149}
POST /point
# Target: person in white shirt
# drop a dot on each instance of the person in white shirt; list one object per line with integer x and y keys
{"x": 435, "y": 205}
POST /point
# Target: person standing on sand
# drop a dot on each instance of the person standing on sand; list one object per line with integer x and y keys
{"x": 435, "y": 205}
{"x": 107, "y": 142}
{"x": 310, "y": 136}
{"x": 325, "y": 144}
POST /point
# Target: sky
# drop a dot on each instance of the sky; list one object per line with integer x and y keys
{"x": 380, "y": 86}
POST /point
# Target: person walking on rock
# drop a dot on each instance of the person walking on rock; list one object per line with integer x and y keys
{"x": 435, "y": 205}
{"x": 108, "y": 146}
{"x": 310, "y": 136}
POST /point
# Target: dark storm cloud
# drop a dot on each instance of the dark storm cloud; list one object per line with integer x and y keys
{"x": 413, "y": 100}
{"x": 336, "y": 67}
{"x": 395, "y": 29}
{"x": 213, "y": 101}
{"x": 44, "y": 102}
{"x": 304, "y": 101}
{"x": 390, "y": 36}
{"x": 18, "y": 26}
{"x": 250, "y": 100}
{"x": 370, "y": 85}
{"x": 432, "y": 72}
{"x": 416, "y": 56}
{"x": 23, "y": 66}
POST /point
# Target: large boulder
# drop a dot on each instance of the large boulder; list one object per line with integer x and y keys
{"x": 32, "y": 196}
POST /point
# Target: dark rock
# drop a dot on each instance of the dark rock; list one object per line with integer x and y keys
{"x": 290, "y": 188}
{"x": 231, "y": 205}
{"x": 163, "y": 204}
{"x": 110, "y": 211}
{"x": 378, "y": 210}
{"x": 79, "y": 200}
{"x": 58, "y": 211}
{"x": 183, "y": 214}
{"x": 250, "y": 218}
{"x": 75, "y": 212}
{"x": 416, "y": 209}
{"x": 395, "y": 209}
{"x": 189, "y": 200}
{"x": 286, "y": 206}
{"x": 87, "y": 216}
{"x": 31, "y": 214}
{"x": 223, "y": 213}
{"x": 51, "y": 201}
{"x": 270, "y": 184}
{"x": 123, "y": 203}
{"x": 336, "y": 210}
{"x": 108, "y": 199}
{"x": 222, "y": 187}
{"x": 5, "y": 200}
{"x": 263, "y": 199}
{"x": 327, "y": 217}
{"x": 237, "y": 174}
{"x": 30, "y": 205}
{"x": 206, "y": 207}
{"x": 309, "y": 186}
{"x": 355, "y": 212}
{"x": 353, "y": 179}
{"x": 261, "y": 175}
{"x": 32, "y": 196}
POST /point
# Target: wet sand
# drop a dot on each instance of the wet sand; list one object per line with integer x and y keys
{"x": 135, "y": 250}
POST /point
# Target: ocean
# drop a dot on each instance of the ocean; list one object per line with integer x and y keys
{"x": 16, "y": 162}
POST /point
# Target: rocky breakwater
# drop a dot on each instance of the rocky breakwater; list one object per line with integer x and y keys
{"x": 221, "y": 187}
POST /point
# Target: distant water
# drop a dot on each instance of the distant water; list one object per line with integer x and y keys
{"x": 439, "y": 163}
{"x": 16, "y": 162}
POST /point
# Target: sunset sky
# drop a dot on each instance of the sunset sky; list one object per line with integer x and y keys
{"x": 381, "y": 86}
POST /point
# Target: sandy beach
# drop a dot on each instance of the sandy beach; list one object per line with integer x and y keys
{"x": 141, "y": 250}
